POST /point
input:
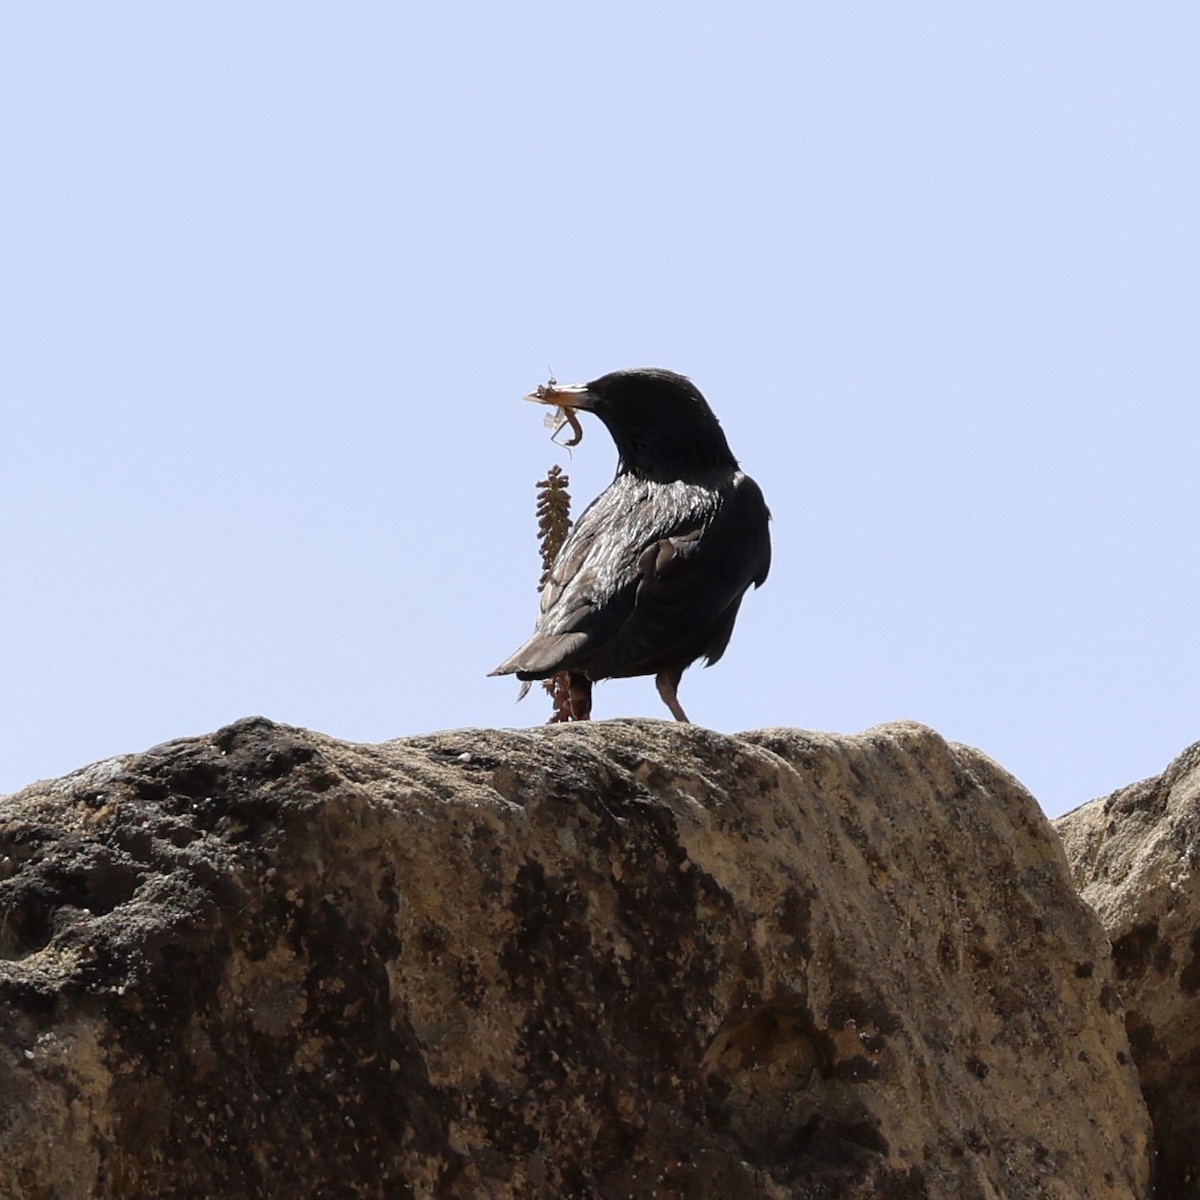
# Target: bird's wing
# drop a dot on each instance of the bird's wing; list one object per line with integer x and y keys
{"x": 590, "y": 590}
{"x": 689, "y": 586}
{"x": 649, "y": 569}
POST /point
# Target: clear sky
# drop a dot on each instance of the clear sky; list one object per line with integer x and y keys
{"x": 274, "y": 277}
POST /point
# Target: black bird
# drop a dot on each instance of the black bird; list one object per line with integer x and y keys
{"x": 653, "y": 573}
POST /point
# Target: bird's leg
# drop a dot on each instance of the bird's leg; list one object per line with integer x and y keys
{"x": 668, "y": 684}
{"x": 580, "y": 698}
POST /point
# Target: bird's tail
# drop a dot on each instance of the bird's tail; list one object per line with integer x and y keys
{"x": 545, "y": 654}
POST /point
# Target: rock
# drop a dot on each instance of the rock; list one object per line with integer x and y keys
{"x": 1135, "y": 857}
{"x": 618, "y": 959}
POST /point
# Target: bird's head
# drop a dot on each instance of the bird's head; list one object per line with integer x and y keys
{"x": 661, "y": 424}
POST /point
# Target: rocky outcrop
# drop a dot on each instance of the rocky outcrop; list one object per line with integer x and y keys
{"x": 618, "y": 959}
{"x": 1135, "y": 856}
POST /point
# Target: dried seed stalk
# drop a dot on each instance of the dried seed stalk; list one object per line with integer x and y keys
{"x": 554, "y": 523}
{"x": 554, "y": 518}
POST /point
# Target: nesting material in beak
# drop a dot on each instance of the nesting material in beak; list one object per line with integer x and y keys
{"x": 566, "y": 398}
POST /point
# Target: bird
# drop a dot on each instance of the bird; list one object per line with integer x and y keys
{"x": 652, "y": 574}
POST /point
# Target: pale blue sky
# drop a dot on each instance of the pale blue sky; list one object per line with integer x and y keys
{"x": 276, "y": 275}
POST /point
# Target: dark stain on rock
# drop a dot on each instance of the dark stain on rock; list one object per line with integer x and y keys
{"x": 1189, "y": 977}
{"x": 782, "y": 1035}
{"x": 549, "y": 937}
{"x": 1007, "y": 1001}
{"x": 856, "y": 1069}
{"x": 1131, "y": 952}
{"x": 795, "y": 918}
{"x": 339, "y": 1037}
{"x": 975, "y": 1141}
{"x": 1163, "y": 959}
{"x": 981, "y": 957}
{"x": 947, "y": 952}
{"x": 863, "y": 1010}
{"x": 554, "y": 969}
{"x": 767, "y": 1071}
{"x": 1142, "y": 1040}
{"x": 82, "y": 878}
{"x": 470, "y": 986}
{"x": 977, "y": 1067}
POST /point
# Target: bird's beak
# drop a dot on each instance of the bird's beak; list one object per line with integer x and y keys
{"x": 564, "y": 395}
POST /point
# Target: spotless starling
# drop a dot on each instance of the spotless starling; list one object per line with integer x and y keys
{"x": 653, "y": 573}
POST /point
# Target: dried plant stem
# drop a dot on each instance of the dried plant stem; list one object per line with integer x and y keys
{"x": 554, "y": 523}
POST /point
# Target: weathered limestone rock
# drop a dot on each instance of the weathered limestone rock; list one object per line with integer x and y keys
{"x": 618, "y": 959}
{"x": 1135, "y": 856}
